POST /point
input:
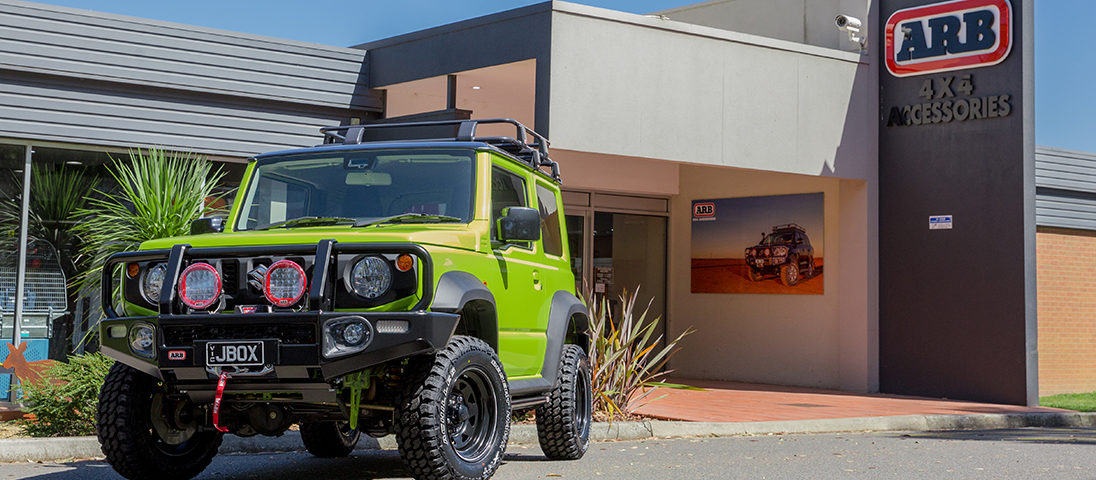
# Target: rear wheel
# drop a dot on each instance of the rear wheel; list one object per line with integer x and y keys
{"x": 453, "y": 417}
{"x": 329, "y": 439}
{"x": 563, "y": 424}
{"x": 145, "y": 433}
{"x": 810, "y": 267}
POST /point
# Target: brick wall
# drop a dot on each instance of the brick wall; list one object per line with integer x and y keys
{"x": 1066, "y": 266}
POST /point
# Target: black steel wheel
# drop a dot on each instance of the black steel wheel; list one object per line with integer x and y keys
{"x": 453, "y": 417}
{"x": 146, "y": 434}
{"x": 329, "y": 439}
{"x": 563, "y": 424}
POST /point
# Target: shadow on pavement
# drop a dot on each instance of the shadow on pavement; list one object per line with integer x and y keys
{"x": 362, "y": 464}
{"x": 1024, "y": 435}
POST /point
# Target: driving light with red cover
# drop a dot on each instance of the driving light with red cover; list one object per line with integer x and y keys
{"x": 284, "y": 283}
{"x": 200, "y": 286}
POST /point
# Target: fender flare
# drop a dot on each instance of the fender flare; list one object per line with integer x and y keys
{"x": 456, "y": 290}
{"x": 565, "y": 306}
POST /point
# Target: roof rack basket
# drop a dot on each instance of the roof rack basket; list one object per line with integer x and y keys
{"x": 527, "y": 145}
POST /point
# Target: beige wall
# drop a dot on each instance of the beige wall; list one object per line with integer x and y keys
{"x": 807, "y": 340}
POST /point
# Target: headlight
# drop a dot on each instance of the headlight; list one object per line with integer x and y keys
{"x": 780, "y": 251}
{"x": 284, "y": 283}
{"x": 370, "y": 278}
{"x": 199, "y": 285}
{"x": 142, "y": 340}
{"x": 153, "y": 283}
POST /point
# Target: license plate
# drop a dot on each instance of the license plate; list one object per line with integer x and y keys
{"x": 759, "y": 262}
{"x": 231, "y": 354}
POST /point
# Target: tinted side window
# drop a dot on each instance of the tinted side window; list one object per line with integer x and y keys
{"x": 507, "y": 190}
{"x": 549, "y": 221}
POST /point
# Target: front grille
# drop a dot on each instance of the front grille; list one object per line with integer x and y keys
{"x": 230, "y": 275}
{"x": 290, "y": 334}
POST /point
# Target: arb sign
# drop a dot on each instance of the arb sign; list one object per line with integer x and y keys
{"x": 948, "y": 36}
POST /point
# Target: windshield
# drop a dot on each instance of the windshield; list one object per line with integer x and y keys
{"x": 778, "y": 237}
{"x": 358, "y": 187}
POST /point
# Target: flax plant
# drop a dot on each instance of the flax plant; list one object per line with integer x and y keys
{"x": 159, "y": 194}
{"x": 627, "y": 357}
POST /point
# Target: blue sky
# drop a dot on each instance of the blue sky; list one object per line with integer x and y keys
{"x": 1064, "y": 66}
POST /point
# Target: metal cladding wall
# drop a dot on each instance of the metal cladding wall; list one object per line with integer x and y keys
{"x": 957, "y": 306}
{"x": 77, "y": 76}
{"x": 1065, "y": 183}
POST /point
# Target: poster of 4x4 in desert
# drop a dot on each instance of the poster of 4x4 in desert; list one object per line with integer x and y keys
{"x": 772, "y": 244}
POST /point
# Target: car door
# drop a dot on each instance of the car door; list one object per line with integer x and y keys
{"x": 520, "y": 296}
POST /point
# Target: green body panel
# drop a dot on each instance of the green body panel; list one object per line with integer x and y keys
{"x": 522, "y": 279}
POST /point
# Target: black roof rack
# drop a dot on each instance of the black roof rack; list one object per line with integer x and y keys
{"x": 787, "y": 226}
{"x": 527, "y": 145}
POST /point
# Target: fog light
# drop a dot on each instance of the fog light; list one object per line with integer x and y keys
{"x": 142, "y": 340}
{"x": 346, "y": 335}
{"x": 353, "y": 334}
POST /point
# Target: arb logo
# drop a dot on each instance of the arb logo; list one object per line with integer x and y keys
{"x": 703, "y": 209}
{"x": 948, "y": 36}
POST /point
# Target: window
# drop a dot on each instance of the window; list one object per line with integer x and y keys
{"x": 549, "y": 221}
{"x": 507, "y": 190}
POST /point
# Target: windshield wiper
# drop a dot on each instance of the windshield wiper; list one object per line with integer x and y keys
{"x": 408, "y": 217}
{"x": 309, "y": 222}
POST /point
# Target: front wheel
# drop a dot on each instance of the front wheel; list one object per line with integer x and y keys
{"x": 789, "y": 273}
{"x": 563, "y": 424}
{"x": 146, "y": 434}
{"x": 453, "y": 417}
{"x": 755, "y": 275}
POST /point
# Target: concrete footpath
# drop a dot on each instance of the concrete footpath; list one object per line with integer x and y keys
{"x": 61, "y": 449}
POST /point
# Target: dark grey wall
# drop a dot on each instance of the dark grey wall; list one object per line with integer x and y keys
{"x": 514, "y": 35}
{"x": 77, "y": 76}
{"x": 957, "y": 307}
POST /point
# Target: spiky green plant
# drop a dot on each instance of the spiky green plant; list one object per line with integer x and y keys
{"x": 159, "y": 194}
{"x": 626, "y": 358}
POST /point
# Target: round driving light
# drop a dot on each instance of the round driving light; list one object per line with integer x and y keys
{"x": 153, "y": 282}
{"x": 142, "y": 338}
{"x": 353, "y": 334}
{"x": 284, "y": 283}
{"x": 371, "y": 277}
{"x": 404, "y": 262}
{"x": 199, "y": 285}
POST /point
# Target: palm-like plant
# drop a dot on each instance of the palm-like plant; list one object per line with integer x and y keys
{"x": 56, "y": 195}
{"x": 627, "y": 359}
{"x": 159, "y": 194}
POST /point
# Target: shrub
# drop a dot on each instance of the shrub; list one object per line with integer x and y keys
{"x": 63, "y": 400}
{"x": 626, "y": 358}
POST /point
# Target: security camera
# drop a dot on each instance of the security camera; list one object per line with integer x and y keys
{"x": 848, "y": 24}
{"x": 853, "y": 26}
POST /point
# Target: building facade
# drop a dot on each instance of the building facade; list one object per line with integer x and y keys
{"x": 763, "y": 106}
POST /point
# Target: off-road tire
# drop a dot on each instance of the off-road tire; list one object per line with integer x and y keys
{"x": 810, "y": 267}
{"x": 789, "y": 273}
{"x": 755, "y": 276}
{"x": 425, "y": 416}
{"x": 329, "y": 439}
{"x": 563, "y": 424}
{"x": 128, "y": 439}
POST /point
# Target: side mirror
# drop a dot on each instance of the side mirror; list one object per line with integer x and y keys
{"x": 521, "y": 224}
{"x": 207, "y": 225}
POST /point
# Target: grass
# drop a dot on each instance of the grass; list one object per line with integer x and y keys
{"x": 1081, "y": 402}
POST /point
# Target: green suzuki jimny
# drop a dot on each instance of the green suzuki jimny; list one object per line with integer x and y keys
{"x": 380, "y": 283}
